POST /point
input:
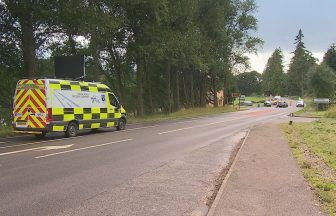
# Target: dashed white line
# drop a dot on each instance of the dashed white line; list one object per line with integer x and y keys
{"x": 79, "y": 149}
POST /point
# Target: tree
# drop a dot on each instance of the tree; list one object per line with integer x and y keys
{"x": 158, "y": 56}
{"x": 330, "y": 57}
{"x": 273, "y": 75}
{"x": 249, "y": 83}
{"x": 322, "y": 81}
{"x": 300, "y": 64}
{"x": 30, "y": 28}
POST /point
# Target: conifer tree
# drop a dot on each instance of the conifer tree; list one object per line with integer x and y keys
{"x": 273, "y": 75}
{"x": 300, "y": 64}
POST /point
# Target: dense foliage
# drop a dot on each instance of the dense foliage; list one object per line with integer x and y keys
{"x": 274, "y": 80}
{"x": 300, "y": 64}
{"x": 304, "y": 76}
{"x": 249, "y": 83}
{"x": 157, "y": 56}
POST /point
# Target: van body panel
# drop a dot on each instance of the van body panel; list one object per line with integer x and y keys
{"x": 50, "y": 105}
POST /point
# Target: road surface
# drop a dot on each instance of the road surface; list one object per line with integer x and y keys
{"x": 166, "y": 168}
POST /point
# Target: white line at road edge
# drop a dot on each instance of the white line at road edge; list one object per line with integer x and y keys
{"x": 73, "y": 150}
{"x": 197, "y": 126}
{"x": 211, "y": 211}
{"x": 203, "y": 125}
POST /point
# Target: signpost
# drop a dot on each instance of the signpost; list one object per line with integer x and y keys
{"x": 324, "y": 101}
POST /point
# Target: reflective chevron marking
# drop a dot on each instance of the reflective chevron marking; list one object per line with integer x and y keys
{"x": 30, "y": 99}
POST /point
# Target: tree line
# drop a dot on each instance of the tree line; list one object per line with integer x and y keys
{"x": 305, "y": 77}
{"x": 157, "y": 56}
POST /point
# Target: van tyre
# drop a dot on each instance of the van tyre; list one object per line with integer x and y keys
{"x": 121, "y": 124}
{"x": 72, "y": 130}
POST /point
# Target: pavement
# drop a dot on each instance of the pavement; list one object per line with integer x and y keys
{"x": 265, "y": 179}
{"x": 166, "y": 168}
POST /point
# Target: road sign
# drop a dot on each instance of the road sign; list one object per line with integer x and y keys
{"x": 236, "y": 94}
{"x": 322, "y": 100}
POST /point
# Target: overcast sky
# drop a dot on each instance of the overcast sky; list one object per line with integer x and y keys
{"x": 280, "y": 20}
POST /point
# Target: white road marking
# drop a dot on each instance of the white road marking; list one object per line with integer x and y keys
{"x": 43, "y": 148}
{"x": 187, "y": 128}
{"x": 46, "y": 148}
{"x": 203, "y": 125}
{"x": 31, "y": 143}
{"x": 79, "y": 149}
{"x": 44, "y": 141}
{"x": 2, "y": 142}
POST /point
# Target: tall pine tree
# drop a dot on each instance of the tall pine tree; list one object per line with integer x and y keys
{"x": 273, "y": 75}
{"x": 300, "y": 64}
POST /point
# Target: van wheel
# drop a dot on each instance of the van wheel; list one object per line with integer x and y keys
{"x": 72, "y": 130}
{"x": 121, "y": 124}
{"x": 41, "y": 135}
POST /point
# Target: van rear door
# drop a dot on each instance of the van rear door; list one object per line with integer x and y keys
{"x": 29, "y": 109}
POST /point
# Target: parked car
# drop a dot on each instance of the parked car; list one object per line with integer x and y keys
{"x": 300, "y": 103}
{"x": 267, "y": 103}
{"x": 282, "y": 104}
{"x": 248, "y": 103}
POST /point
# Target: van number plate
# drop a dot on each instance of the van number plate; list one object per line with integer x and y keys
{"x": 21, "y": 124}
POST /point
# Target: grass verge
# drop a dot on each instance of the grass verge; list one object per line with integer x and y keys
{"x": 331, "y": 112}
{"x": 310, "y": 110}
{"x": 314, "y": 146}
{"x": 182, "y": 114}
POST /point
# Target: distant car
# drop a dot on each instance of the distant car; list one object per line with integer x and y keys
{"x": 248, "y": 103}
{"x": 282, "y": 104}
{"x": 267, "y": 103}
{"x": 300, "y": 103}
{"x": 276, "y": 100}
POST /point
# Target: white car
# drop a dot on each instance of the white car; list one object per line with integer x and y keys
{"x": 300, "y": 103}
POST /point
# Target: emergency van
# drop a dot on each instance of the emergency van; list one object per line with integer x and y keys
{"x": 50, "y": 105}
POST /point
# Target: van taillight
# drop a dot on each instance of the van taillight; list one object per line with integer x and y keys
{"x": 49, "y": 115}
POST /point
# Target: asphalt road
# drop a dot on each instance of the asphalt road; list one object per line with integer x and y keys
{"x": 165, "y": 168}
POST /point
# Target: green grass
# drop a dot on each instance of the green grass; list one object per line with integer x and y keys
{"x": 5, "y": 131}
{"x": 331, "y": 112}
{"x": 254, "y": 99}
{"x": 310, "y": 110}
{"x": 182, "y": 114}
{"x": 319, "y": 139}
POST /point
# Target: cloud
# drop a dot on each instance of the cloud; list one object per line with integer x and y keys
{"x": 258, "y": 61}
